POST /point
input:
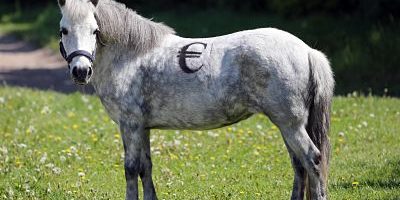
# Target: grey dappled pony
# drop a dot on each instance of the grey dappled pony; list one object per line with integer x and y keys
{"x": 147, "y": 77}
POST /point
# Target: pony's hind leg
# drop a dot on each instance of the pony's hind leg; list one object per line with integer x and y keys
{"x": 309, "y": 156}
{"x": 299, "y": 176}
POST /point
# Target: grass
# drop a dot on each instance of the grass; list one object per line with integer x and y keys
{"x": 56, "y": 146}
{"x": 362, "y": 52}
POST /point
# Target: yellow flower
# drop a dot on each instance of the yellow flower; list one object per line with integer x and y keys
{"x": 18, "y": 163}
{"x": 75, "y": 126}
{"x": 173, "y": 156}
{"x": 355, "y": 184}
{"x": 70, "y": 114}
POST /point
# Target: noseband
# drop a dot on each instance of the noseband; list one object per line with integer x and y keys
{"x": 90, "y": 56}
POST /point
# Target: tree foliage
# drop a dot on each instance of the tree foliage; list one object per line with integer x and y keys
{"x": 291, "y": 8}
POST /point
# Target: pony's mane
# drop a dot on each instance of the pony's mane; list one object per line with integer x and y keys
{"x": 120, "y": 25}
{"x": 123, "y": 26}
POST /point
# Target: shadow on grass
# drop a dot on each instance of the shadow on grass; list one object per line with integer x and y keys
{"x": 382, "y": 179}
{"x": 43, "y": 79}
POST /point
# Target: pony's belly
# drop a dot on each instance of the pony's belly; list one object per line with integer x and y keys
{"x": 196, "y": 125}
{"x": 194, "y": 118}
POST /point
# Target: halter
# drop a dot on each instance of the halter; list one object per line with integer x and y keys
{"x": 90, "y": 56}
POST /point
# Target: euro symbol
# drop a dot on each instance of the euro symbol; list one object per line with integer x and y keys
{"x": 184, "y": 53}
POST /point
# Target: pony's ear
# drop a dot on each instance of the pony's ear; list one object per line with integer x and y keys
{"x": 95, "y": 2}
{"x": 61, "y": 3}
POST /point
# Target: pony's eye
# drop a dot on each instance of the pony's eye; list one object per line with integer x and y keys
{"x": 64, "y": 31}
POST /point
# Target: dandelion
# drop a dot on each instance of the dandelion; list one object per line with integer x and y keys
{"x": 256, "y": 153}
{"x": 75, "y": 126}
{"x": 2, "y": 100}
{"x": 259, "y": 126}
{"x": 355, "y": 184}
{"x": 70, "y": 114}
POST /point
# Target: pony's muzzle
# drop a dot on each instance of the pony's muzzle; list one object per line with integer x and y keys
{"x": 81, "y": 75}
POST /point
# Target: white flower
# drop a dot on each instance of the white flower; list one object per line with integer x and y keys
{"x": 22, "y": 146}
{"x": 50, "y": 165}
{"x": 3, "y": 150}
{"x": 43, "y": 158}
{"x": 2, "y": 100}
{"x": 341, "y": 134}
{"x": 56, "y": 170}
{"x": 45, "y": 110}
{"x": 85, "y": 99}
{"x": 10, "y": 192}
{"x": 73, "y": 149}
{"x": 81, "y": 174}
{"x": 63, "y": 158}
{"x": 31, "y": 129}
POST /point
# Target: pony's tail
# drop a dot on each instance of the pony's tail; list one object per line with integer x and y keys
{"x": 321, "y": 86}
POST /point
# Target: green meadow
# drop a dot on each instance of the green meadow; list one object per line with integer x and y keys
{"x": 57, "y": 146}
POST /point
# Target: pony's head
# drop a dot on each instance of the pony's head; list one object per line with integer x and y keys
{"x": 79, "y": 33}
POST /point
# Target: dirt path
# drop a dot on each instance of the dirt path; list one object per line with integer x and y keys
{"x": 23, "y": 64}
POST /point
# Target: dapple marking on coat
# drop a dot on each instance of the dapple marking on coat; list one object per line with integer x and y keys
{"x": 142, "y": 84}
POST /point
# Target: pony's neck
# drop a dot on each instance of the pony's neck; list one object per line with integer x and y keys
{"x": 124, "y": 28}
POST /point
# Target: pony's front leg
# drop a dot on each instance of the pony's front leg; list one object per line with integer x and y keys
{"x": 137, "y": 160}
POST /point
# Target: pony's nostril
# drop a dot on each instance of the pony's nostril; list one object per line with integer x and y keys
{"x": 90, "y": 72}
{"x": 75, "y": 71}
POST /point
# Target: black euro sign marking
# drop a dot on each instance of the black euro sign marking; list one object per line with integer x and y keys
{"x": 184, "y": 53}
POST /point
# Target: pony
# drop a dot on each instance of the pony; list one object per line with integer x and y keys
{"x": 147, "y": 77}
